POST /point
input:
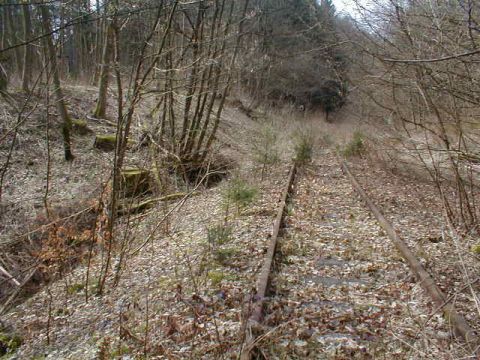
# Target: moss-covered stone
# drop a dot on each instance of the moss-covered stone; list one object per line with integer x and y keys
{"x": 80, "y": 127}
{"x": 105, "y": 142}
{"x": 136, "y": 182}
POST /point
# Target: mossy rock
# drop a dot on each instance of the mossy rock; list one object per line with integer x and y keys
{"x": 81, "y": 127}
{"x": 9, "y": 343}
{"x": 105, "y": 142}
{"x": 136, "y": 182}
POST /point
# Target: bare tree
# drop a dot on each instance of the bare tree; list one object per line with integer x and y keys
{"x": 28, "y": 51}
{"x": 59, "y": 97}
{"x": 419, "y": 66}
{"x": 101, "y": 107}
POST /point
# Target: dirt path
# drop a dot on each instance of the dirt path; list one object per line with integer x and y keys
{"x": 342, "y": 291}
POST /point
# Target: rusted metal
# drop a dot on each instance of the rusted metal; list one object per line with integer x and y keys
{"x": 264, "y": 278}
{"x": 459, "y": 324}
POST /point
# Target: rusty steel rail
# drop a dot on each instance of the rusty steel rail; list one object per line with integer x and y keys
{"x": 459, "y": 324}
{"x": 264, "y": 277}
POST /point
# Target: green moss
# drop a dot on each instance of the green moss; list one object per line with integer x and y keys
{"x": 80, "y": 126}
{"x": 105, "y": 142}
{"x": 136, "y": 182}
{"x": 79, "y": 123}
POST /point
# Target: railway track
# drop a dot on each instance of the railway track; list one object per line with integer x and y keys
{"x": 342, "y": 287}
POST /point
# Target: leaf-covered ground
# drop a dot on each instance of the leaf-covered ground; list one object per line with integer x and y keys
{"x": 191, "y": 291}
{"x": 340, "y": 289}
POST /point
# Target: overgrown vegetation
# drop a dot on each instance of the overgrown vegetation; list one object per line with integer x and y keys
{"x": 265, "y": 149}
{"x": 240, "y": 193}
{"x": 117, "y": 113}
{"x": 420, "y": 74}
{"x": 219, "y": 234}
{"x": 9, "y": 343}
{"x": 303, "y": 148}
{"x": 356, "y": 146}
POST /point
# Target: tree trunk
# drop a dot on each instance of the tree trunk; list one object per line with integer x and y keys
{"x": 61, "y": 107}
{"x": 3, "y": 79}
{"x": 3, "y": 34}
{"x": 11, "y": 27}
{"x": 98, "y": 44}
{"x": 27, "y": 56}
{"x": 101, "y": 107}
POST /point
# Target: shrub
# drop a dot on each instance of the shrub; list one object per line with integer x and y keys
{"x": 265, "y": 150}
{"x": 219, "y": 234}
{"x": 356, "y": 146}
{"x": 240, "y": 193}
{"x": 303, "y": 149}
{"x": 75, "y": 288}
{"x": 224, "y": 256}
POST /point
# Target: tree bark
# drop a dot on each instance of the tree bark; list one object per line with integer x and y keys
{"x": 101, "y": 107}
{"x": 61, "y": 107}
{"x": 12, "y": 37}
{"x": 27, "y": 56}
{"x": 3, "y": 79}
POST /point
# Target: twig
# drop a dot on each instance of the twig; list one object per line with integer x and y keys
{"x": 17, "y": 291}
{"x": 446, "y": 58}
{"x": 177, "y": 206}
{"x": 144, "y": 205}
{"x": 10, "y": 277}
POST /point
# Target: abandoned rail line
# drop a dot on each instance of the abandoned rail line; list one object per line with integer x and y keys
{"x": 357, "y": 311}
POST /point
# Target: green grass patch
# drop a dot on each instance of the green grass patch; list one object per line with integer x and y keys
{"x": 75, "y": 288}
{"x": 475, "y": 249}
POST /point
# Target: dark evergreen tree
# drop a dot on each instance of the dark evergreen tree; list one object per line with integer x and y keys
{"x": 296, "y": 54}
